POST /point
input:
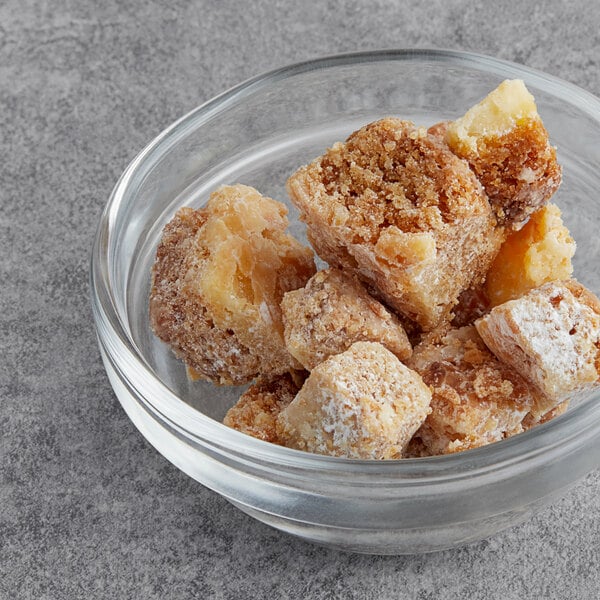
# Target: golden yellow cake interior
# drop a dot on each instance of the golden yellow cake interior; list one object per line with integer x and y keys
{"x": 539, "y": 252}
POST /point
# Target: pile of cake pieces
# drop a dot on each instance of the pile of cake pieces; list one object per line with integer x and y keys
{"x": 447, "y": 319}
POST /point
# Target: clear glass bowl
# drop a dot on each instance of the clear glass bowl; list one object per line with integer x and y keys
{"x": 258, "y": 133}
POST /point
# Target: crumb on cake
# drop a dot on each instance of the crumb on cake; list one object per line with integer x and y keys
{"x": 256, "y": 412}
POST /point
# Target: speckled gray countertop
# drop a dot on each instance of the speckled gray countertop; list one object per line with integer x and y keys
{"x": 88, "y": 509}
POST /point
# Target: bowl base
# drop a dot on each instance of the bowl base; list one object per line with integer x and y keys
{"x": 389, "y": 541}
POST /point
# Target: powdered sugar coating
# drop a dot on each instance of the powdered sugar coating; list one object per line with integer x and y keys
{"x": 551, "y": 336}
{"x": 363, "y": 403}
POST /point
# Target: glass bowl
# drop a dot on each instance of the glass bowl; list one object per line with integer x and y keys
{"x": 258, "y": 134}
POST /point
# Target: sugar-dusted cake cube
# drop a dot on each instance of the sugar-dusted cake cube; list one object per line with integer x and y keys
{"x": 506, "y": 144}
{"x": 333, "y": 311}
{"x": 256, "y": 412}
{"x": 551, "y": 336}
{"x": 217, "y": 283}
{"x": 397, "y": 208}
{"x": 539, "y": 252}
{"x": 363, "y": 403}
{"x": 476, "y": 398}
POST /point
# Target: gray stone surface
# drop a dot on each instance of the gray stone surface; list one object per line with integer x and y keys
{"x": 88, "y": 509}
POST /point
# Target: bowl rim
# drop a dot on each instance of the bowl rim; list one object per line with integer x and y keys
{"x": 525, "y": 450}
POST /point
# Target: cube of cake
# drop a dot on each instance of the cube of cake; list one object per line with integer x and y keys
{"x": 551, "y": 336}
{"x": 396, "y": 207}
{"x": 539, "y": 252}
{"x": 363, "y": 403}
{"x": 217, "y": 283}
{"x": 256, "y": 412}
{"x": 506, "y": 144}
{"x": 476, "y": 398}
{"x": 332, "y": 312}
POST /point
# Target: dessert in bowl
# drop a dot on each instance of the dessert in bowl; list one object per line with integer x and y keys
{"x": 259, "y": 134}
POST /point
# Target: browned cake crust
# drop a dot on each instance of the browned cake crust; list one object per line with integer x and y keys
{"x": 219, "y": 276}
{"x": 332, "y": 312}
{"x": 256, "y": 412}
{"x": 395, "y": 206}
{"x": 518, "y": 170}
{"x": 182, "y": 321}
{"x": 476, "y": 398}
{"x": 503, "y": 163}
{"x": 439, "y": 130}
{"x": 506, "y": 144}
